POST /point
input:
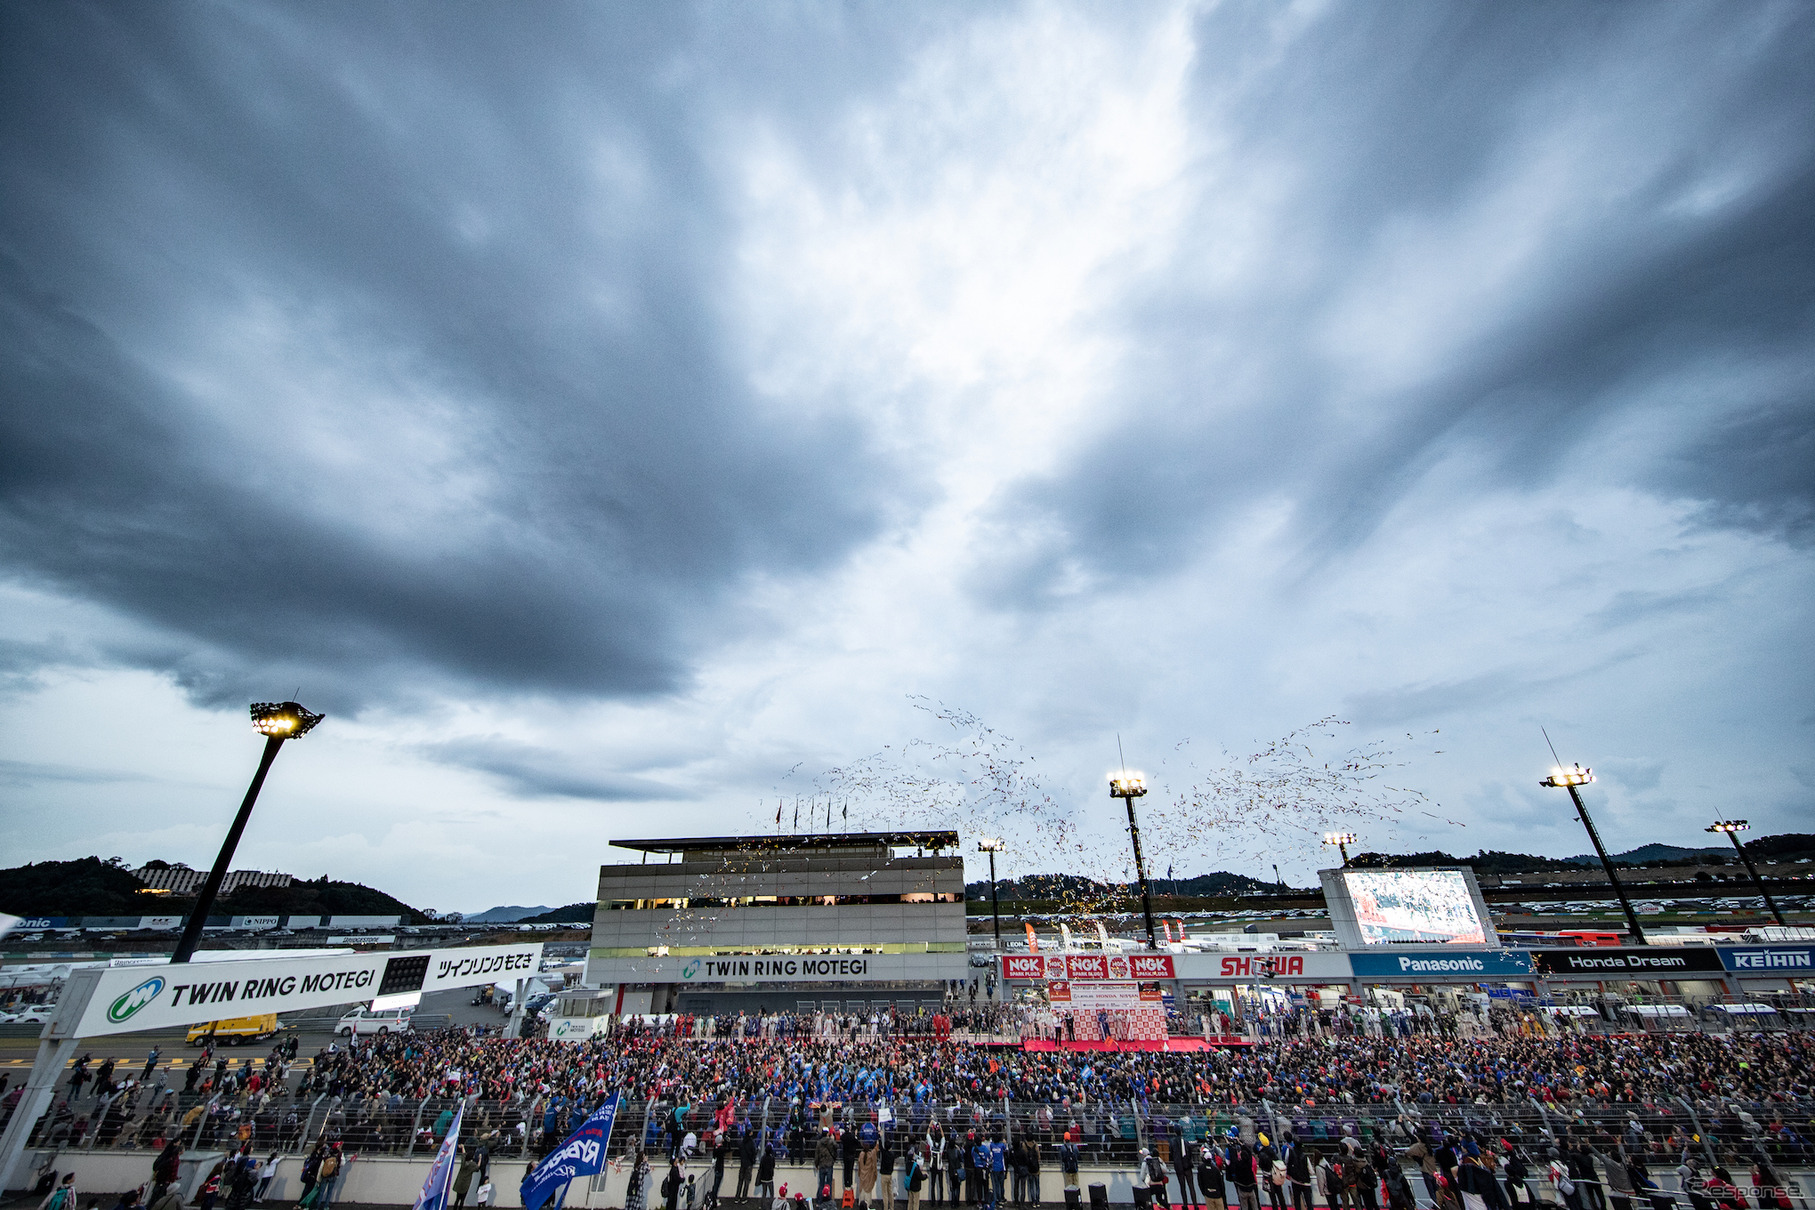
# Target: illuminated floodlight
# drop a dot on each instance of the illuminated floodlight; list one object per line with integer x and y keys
{"x": 1565, "y": 779}
{"x": 283, "y": 720}
{"x": 1732, "y": 828}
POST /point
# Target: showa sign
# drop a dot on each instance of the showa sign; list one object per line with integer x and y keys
{"x": 131, "y": 998}
{"x": 1085, "y": 968}
{"x": 583, "y": 1154}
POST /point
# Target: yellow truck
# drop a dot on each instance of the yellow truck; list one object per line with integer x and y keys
{"x": 234, "y": 1030}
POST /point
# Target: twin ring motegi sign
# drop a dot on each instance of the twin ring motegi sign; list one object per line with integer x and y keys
{"x": 745, "y": 970}
{"x": 132, "y": 998}
{"x": 770, "y": 970}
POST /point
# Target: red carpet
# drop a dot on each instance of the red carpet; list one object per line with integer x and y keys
{"x": 1171, "y": 1044}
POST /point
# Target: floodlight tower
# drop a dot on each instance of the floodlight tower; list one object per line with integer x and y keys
{"x": 1129, "y": 787}
{"x": 1568, "y": 779}
{"x": 277, "y": 722}
{"x": 1342, "y": 841}
{"x": 993, "y": 845}
{"x": 1733, "y": 827}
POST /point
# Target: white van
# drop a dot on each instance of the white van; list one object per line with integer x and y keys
{"x": 364, "y": 1021}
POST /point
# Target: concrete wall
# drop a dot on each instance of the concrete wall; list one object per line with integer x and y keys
{"x": 387, "y": 1181}
{"x": 381, "y": 1180}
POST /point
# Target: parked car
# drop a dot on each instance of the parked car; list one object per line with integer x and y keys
{"x": 364, "y": 1022}
{"x": 37, "y": 1014}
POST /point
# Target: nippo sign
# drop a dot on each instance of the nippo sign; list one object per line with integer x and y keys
{"x": 1087, "y": 968}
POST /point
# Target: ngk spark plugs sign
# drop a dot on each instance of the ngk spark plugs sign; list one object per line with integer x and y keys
{"x": 1083, "y": 968}
{"x": 130, "y": 998}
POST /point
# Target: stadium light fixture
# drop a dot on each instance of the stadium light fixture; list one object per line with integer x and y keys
{"x": 1342, "y": 841}
{"x": 993, "y": 845}
{"x": 277, "y": 722}
{"x": 1129, "y": 787}
{"x": 1572, "y": 779}
{"x": 1733, "y": 827}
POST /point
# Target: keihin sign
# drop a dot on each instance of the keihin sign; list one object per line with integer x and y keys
{"x": 132, "y": 998}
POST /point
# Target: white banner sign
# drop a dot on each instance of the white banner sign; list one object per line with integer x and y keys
{"x": 160, "y": 997}
{"x": 1094, "y": 995}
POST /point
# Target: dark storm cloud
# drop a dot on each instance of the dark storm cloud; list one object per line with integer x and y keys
{"x": 1398, "y": 117}
{"x": 532, "y": 772}
{"x": 441, "y": 190}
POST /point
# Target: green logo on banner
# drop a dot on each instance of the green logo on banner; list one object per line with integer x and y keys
{"x": 135, "y": 999}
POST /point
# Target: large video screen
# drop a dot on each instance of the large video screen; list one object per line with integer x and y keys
{"x": 1399, "y": 906}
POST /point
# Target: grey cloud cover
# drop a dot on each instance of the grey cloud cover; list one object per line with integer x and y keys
{"x": 171, "y": 170}
{"x": 721, "y": 375}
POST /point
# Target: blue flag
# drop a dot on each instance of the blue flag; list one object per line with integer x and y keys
{"x": 583, "y": 1154}
{"x": 441, "y": 1175}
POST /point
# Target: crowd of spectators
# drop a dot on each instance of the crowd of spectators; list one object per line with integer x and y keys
{"x": 393, "y": 1093}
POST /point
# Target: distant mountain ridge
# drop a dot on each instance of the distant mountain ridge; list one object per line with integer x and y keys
{"x": 505, "y": 914}
{"x": 573, "y": 913}
{"x": 1784, "y": 845}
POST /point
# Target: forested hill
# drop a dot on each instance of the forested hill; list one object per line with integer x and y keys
{"x": 89, "y": 886}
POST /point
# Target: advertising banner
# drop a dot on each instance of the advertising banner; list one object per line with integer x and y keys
{"x": 131, "y": 998}
{"x": 1077, "y": 968}
{"x": 1466, "y": 966}
{"x": 1028, "y": 966}
{"x": 1653, "y": 961}
{"x": 1777, "y": 961}
{"x": 1105, "y": 994}
{"x": 1308, "y": 967}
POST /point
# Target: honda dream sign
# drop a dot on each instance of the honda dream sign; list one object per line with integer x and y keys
{"x": 1651, "y": 960}
{"x": 131, "y": 998}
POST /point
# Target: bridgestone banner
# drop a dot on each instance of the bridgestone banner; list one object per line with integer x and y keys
{"x": 133, "y": 998}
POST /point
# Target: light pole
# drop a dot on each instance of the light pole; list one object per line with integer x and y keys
{"x": 1342, "y": 841}
{"x": 1128, "y": 789}
{"x": 1568, "y": 779}
{"x": 277, "y": 722}
{"x": 1733, "y": 827}
{"x": 993, "y": 845}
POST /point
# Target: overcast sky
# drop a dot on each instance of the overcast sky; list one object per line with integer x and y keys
{"x": 614, "y": 415}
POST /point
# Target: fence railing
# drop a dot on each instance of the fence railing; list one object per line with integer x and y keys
{"x": 1106, "y": 1132}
